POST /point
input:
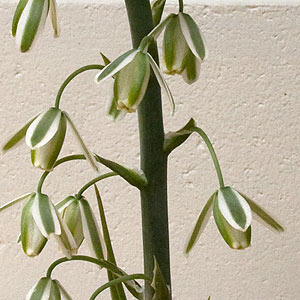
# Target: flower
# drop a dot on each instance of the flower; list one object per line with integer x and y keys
{"x": 45, "y": 137}
{"x": 132, "y": 72}
{"x": 46, "y": 289}
{"x": 40, "y": 220}
{"x": 183, "y": 47}
{"x": 232, "y": 212}
{"x": 29, "y": 20}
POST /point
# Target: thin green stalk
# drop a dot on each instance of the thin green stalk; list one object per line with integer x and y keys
{"x": 71, "y": 77}
{"x": 212, "y": 153}
{"x": 154, "y": 203}
{"x": 118, "y": 281}
{"x": 92, "y": 182}
{"x": 180, "y": 5}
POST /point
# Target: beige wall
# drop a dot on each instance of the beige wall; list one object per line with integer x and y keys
{"x": 247, "y": 100}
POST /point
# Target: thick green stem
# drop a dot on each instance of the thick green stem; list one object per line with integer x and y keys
{"x": 153, "y": 158}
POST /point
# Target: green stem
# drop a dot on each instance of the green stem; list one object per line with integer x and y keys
{"x": 92, "y": 182}
{"x": 118, "y": 281}
{"x": 212, "y": 153}
{"x": 59, "y": 162}
{"x": 154, "y": 202}
{"x": 71, "y": 77}
{"x": 180, "y": 5}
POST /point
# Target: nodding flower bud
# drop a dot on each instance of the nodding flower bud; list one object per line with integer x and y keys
{"x": 32, "y": 240}
{"x": 183, "y": 48}
{"x": 45, "y": 137}
{"x": 45, "y": 288}
{"x": 29, "y": 20}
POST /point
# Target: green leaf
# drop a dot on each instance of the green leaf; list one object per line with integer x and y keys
{"x": 116, "y": 65}
{"x": 15, "y": 201}
{"x": 13, "y": 141}
{"x": 162, "y": 82}
{"x": 192, "y": 35}
{"x": 135, "y": 178}
{"x": 201, "y": 223}
{"x": 174, "y": 139}
{"x": 263, "y": 216}
{"x": 157, "y": 8}
{"x": 161, "y": 290}
{"x": 105, "y": 59}
{"x": 117, "y": 292}
{"x": 236, "y": 239}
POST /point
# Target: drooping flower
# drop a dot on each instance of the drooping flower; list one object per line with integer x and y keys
{"x": 232, "y": 212}
{"x": 45, "y": 137}
{"x": 183, "y": 47}
{"x": 132, "y": 73}
{"x": 29, "y": 20}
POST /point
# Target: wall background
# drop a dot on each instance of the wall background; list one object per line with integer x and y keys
{"x": 247, "y": 100}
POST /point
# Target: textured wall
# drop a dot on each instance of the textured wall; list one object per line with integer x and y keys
{"x": 247, "y": 101}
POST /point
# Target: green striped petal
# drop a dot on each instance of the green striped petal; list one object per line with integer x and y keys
{"x": 17, "y": 137}
{"x": 54, "y": 18}
{"x": 45, "y": 215}
{"x": 91, "y": 230}
{"x": 30, "y": 22}
{"x": 43, "y": 128}
{"x": 175, "y": 47}
{"x": 236, "y": 239}
{"x": 45, "y": 156}
{"x": 17, "y": 16}
{"x": 162, "y": 82}
{"x": 116, "y": 65}
{"x": 192, "y": 35}
{"x": 131, "y": 83}
{"x": 191, "y": 70}
{"x": 113, "y": 111}
{"x": 234, "y": 208}
{"x": 32, "y": 240}
{"x": 44, "y": 289}
{"x": 157, "y": 9}
{"x": 201, "y": 223}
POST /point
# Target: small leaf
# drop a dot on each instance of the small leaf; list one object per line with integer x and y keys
{"x": 161, "y": 291}
{"x": 116, "y": 65}
{"x": 175, "y": 139}
{"x": 14, "y": 140}
{"x": 236, "y": 239}
{"x": 201, "y": 223}
{"x": 105, "y": 59}
{"x": 192, "y": 35}
{"x": 263, "y": 216}
{"x": 135, "y": 178}
{"x": 157, "y": 8}
{"x": 15, "y": 201}
{"x": 84, "y": 148}
{"x": 162, "y": 82}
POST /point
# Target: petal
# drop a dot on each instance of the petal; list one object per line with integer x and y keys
{"x": 156, "y": 31}
{"x": 201, "y": 223}
{"x": 234, "y": 208}
{"x": 31, "y": 23}
{"x": 162, "y": 82}
{"x": 14, "y": 140}
{"x": 89, "y": 156}
{"x": 236, "y": 239}
{"x": 43, "y": 128}
{"x": 54, "y": 18}
{"x": 55, "y": 291}
{"x": 40, "y": 290}
{"x": 45, "y": 215}
{"x": 17, "y": 15}
{"x": 91, "y": 230}
{"x": 62, "y": 205}
{"x": 116, "y": 65}
{"x": 192, "y": 69}
{"x": 192, "y": 35}
{"x": 157, "y": 8}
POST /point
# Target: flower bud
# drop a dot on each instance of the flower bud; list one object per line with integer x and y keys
{"x": 29, "y": 20}
{"x": 45, "y": 289}
{"x": 32, "y": 240}
{"x": 45, "y": 137}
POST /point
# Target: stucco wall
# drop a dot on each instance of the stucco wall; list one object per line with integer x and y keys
{"x": 247, "y": 100}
